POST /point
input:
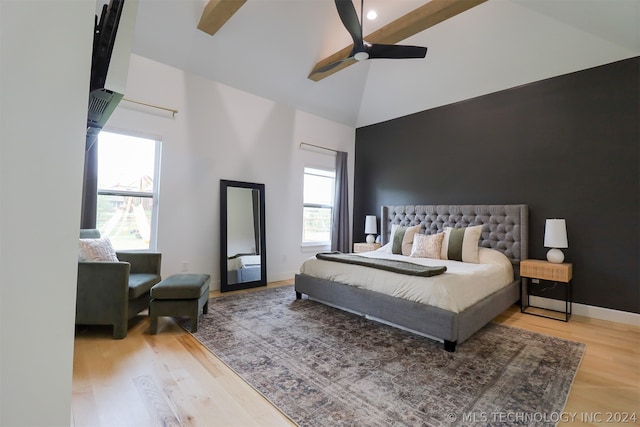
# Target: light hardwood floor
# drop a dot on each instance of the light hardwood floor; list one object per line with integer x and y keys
{"x": 169, "y": 379}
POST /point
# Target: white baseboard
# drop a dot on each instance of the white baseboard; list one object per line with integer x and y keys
{"x": 287, "y": 275}
{"x": 215, "y": 284}
{"x": 588, "y": 311}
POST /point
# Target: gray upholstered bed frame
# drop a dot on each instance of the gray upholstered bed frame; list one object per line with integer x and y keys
{"x": 250, "y": 273}
{"x": 505, "y": 228}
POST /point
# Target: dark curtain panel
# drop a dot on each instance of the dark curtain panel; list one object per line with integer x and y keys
{"x": 255, "y": 196}
{"x": 340, "y": 224}
{"x": 90, "y": 181}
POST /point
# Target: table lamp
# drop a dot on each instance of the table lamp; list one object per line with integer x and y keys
{"x": 370, "y": 228}
{"x": 555, "y": 237}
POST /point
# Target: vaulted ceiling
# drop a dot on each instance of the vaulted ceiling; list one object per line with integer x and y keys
{"x": 269, "y": 47}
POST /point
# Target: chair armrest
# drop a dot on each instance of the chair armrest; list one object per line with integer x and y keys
{"x": 142, "y": 262}
{"x": 103, "y": 291}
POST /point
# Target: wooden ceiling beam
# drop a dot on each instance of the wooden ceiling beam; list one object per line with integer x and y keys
{"x": 216, "y": 13}
{"x": 414, "y": 22}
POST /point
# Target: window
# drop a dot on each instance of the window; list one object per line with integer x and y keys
{"x": 318, "y": 206}
{"x": 128, "y": 190}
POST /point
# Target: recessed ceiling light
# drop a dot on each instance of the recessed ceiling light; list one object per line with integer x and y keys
{"x": 371, "y": 15}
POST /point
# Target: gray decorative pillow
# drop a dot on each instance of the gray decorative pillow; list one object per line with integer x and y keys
{"x": 97, "y": 250}
{"x": 427, "y": 246}
{"x": 461, "y": 244}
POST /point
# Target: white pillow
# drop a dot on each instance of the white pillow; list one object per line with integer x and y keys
{"x": 461, "y": 244}
{"x": 427, "y": 246}
{"x": 385, "y": 248}
{"x": 495, "y": 257}
{"x": 97, "y": 250}
{"x": 492, "y": 256}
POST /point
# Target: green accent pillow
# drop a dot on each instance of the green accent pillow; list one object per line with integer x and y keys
{"x": 456, "y": 239}
{"x": 396, "y": 239}
{"x": 461, "y": 244}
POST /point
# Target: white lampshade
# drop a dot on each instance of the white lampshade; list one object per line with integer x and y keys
{"x": 370, "y": 228}
{"x": 555, "y": 236}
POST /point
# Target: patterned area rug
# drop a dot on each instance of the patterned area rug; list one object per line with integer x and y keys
{"x": 325, "y": 367}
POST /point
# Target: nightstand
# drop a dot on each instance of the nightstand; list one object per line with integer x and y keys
{"x": 365, "y": 247}
{"x": 535, "y": 272}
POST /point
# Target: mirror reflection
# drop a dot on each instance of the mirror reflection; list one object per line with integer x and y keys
{"x": 243, "y": 256}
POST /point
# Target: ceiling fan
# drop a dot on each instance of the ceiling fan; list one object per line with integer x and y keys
{"x": 362, "y": 49}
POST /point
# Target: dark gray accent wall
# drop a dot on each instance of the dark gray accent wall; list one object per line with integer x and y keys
{"x": 567, "y": 146}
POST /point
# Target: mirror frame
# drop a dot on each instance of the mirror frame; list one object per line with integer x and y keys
{"x": 224, "y": 278}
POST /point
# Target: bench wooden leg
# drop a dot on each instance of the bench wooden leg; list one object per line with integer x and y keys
{"x": 153, "y": 329}
{"x": 450, "y": 346}
{"x": 119, "y": 330}
{"x": 194, "y": 317}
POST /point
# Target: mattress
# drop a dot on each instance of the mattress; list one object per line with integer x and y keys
{"x": 461, "y": 286}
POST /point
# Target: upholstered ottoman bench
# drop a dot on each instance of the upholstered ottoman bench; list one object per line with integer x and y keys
{"x": 180, "y": 295}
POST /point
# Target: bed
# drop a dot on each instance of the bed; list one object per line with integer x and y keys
{"x": 504, "y": 228}
{"x": 243, "y": 268}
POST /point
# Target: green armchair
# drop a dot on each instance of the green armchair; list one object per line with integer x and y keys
{"x": 111, "y": 293}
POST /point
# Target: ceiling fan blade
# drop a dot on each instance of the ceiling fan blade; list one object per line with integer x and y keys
{"x": 393, "y": 51}
{"x": 349, "y": 18}
{"x": 331, "y": 65}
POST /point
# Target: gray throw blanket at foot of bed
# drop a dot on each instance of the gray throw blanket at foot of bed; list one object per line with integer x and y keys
{"x": 394, "y": 266}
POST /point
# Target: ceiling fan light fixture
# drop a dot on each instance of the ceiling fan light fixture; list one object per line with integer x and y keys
{"x": 361, "y": 56}
{"x": 371, "y": 15}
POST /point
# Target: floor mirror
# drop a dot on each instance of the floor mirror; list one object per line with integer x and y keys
{"x": 243, "y": 257}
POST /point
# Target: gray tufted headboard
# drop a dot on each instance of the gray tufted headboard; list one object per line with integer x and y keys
{"x": 505, "y": 227}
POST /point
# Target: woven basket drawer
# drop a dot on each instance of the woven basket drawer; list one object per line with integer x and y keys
{"x": 545, "y": 271}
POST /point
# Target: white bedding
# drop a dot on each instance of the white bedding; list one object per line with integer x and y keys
{"x": 243, "y": 261}
{"x": 461, "y": 286}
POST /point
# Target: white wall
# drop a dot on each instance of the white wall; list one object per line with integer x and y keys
{"x": 224, "y": 133}
{"x": 45, "y": 64}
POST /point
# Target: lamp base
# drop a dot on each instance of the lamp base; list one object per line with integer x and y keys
{"x": 371, "y": 238}
{"x": 555, "y": 256}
